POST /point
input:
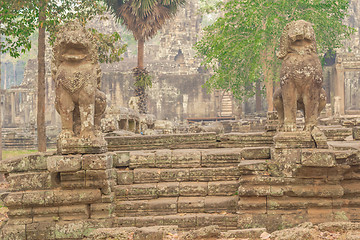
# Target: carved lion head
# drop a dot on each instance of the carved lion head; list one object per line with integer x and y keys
{"x": 73, "y": 43}
{"x": 297, "y": 37}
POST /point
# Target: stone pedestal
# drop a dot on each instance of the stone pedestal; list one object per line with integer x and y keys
{"x": 81, "y": 146}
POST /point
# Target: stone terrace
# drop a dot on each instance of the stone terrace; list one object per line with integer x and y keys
{"x": 213, "y": 180}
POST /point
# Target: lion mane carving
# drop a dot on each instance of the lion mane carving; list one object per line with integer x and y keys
{"x": 300, "y": 77}
{"x": 79, "y": 101}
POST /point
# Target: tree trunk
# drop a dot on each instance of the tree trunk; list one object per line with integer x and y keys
{"x": 140, "y": 91}
{"x": 258, "y": 96}
{"x": 268, "y": 80}
{"x": 141, "y": 43}
{"x": 269, "y": 85}
{"x": 41, "y": 130}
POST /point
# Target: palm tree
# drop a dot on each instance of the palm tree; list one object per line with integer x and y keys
{"x": 144, "y": 18}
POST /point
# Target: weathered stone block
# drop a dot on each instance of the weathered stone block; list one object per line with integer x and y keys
{"x": 244, "y": 233}
{"x": 149, "y": 221}
{"x": 12, "y": 199}
{"x": 255, "y": 153}
{"x": 161, "y": 206}
{"x": 191, "y": 205}
{"x": 144, "y": 175}
{"x": 34, "y": 198}
{"x": 252, "y": 167}
{"x": 192, "y": 189}
{"x": 252, "y": 203}
{"x": 137, "y": 191}
{"x": 13, "y": 232}
{"x": 163, "y": 158}
{"x": 101, "y": 210}
{"x": 125, "y": 177}
{"x": 18, "y": 216}
{"x": 184, "y": 222}
{"x": 184, "y": 158}
{"x": 221, "y": 204}
{"x": 298, "y": 139}
{"x": 223, "y": 188}
{"x": 68, "y": 197}
{"x": 142, "y": 159}
{"x": 316, "y": 215}
{"x": 356, "y": 133}
{"x": 286, "y": 155}
{"x": 43, "y": 230}
{"x": 204, "y": 220}
{"x": 317, "y": 158}
{"x": 214, "y": 174}
{"x": 121, "y": 159}
{"x": 72, "y": 176}
{"x": 174, "y": 175}
{"x": 78, "y": 229}
{"x": 293, "y": 203}
{"x": 120, "y": 222}
{"x": 254, "y": 190}
{"x": 168, "y": 189}
{"x": 331, "y": 191}
{"x": 74, "y": 212}
{"x": 312, "y": 172}
{"x": 220, "y": 158}
{"x": 65, "y": 163}
{"x": 97, "y": 161}
{"x": 351, "y": 187}
{"x": 72, "y": 180}
{"x": 32, "y": 162}
{"x": 96, "y": 178}
{"x": 45, "y": 214}
{"x": 32, "y": 181}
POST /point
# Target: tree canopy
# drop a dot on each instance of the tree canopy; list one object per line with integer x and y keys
{"x": 240, "y": 46}
{"x": 19, "y": 20}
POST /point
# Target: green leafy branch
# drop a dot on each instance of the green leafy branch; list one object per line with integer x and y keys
{"x": 142, "y": 77}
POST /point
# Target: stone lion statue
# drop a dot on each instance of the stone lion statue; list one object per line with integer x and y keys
{"x": 79, "y": 101}
{"x": 300, "y": 77}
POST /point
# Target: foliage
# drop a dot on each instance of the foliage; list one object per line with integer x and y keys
{"x": 109, "y": 47}
{"x": 143, "y": 78}
{"x": 143, "y": 17}
{"x": 240, "y": 47}
{"x": 20, "y": 20}
{"x": 16, "y": 31}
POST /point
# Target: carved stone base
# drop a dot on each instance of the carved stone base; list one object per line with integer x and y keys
{"x": 298, "y": 139}
{"x": 301, "y": 139}
{"x": 80, "y": 146}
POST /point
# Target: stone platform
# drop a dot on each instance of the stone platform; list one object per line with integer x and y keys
{"x": 239, "y": 187}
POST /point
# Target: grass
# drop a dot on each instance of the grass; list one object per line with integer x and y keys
{"x": 6, "y": 154}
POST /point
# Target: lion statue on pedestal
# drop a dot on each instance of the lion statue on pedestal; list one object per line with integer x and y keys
{"x": 301, "y": 77}
{"x": 79, "y": 101}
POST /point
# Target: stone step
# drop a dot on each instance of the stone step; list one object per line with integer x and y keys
{"x": 177, "y": 205}
{"x": 185, "y": 221}
{"x": 189, "y": 141}
{"x": 148, "y": 175}
{"x": 188, "y": 158}
{"x": 175, "y": 189}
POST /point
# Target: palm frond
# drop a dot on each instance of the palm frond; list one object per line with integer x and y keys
{"x": 144, "y": 17}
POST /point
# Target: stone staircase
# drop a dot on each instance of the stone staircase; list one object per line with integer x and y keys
{"x": 226, "y": 105}
{"x": 189, "y": 188}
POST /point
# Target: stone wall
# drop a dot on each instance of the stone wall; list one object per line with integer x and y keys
{"x": 233, "y": 185}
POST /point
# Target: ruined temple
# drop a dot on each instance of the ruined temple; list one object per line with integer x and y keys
{"x": 177, "y": 92}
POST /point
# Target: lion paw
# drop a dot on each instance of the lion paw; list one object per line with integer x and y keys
{"x": 289, "y": 127}
{"x": 66, "y": 134}
{"x": 88, "y": 135}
